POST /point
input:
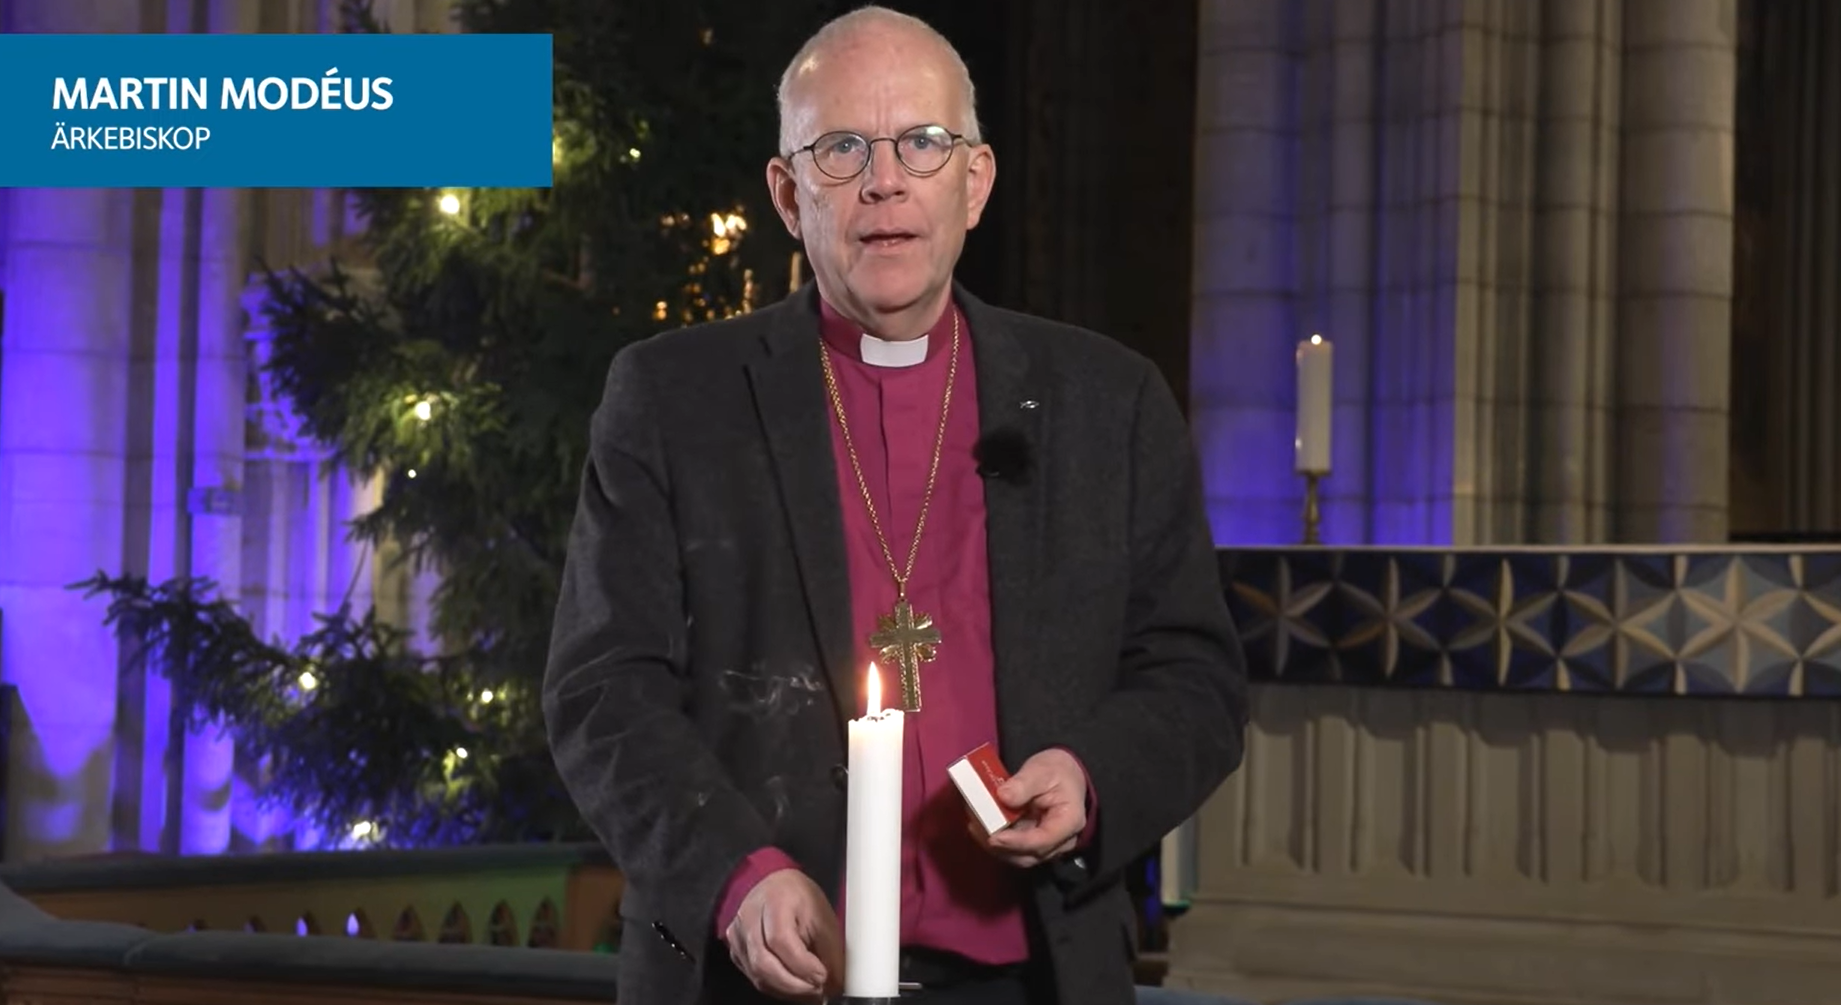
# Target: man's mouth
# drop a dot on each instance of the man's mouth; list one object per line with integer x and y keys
{"x": 887, "y": 238}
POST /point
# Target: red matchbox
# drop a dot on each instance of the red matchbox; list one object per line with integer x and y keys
{"x": 978, "y": 774}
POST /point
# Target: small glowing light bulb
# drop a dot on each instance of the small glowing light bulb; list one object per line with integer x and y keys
{"x": 450, "y": 204}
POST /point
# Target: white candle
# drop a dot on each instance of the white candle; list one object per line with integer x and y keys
{"x": 1170, "y": 869}
{"x": 872, "y": 848}
{"x": 1316, "y": 390}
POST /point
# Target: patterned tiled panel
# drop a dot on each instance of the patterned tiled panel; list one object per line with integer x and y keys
{"x": 1763, "y": 622}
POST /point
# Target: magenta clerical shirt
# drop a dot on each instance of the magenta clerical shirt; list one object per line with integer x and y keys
{"x": 954, "y": 895}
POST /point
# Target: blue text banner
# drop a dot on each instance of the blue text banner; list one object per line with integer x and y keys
{"x": 275, "y": 111}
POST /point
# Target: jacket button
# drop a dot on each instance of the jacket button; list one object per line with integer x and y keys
{"x": 840, "y": 777}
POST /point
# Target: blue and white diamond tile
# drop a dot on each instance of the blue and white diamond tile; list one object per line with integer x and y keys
{"x": 1764, "y": 623}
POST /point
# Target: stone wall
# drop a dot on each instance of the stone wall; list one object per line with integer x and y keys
{"x": 1503, "y": 849}
{"x": 1514, "y": 221}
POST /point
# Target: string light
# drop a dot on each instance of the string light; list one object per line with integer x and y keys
{"x": 726, "y": 230}
{"x": 425, "y": 409}
{"x": 449, "y": 203}
{"x": 307, "y": 681}
{"x": 411, "y": 472}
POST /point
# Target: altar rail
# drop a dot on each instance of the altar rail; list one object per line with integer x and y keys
{"x": 1756, "y": 621}
{"x": 539, "y": 896}
{"x": 45, "y": 960}
{"x": 1529, "y": 776}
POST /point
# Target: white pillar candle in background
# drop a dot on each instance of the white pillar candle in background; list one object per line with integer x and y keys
{"x": 1172, "y": 872}
{"x": 872, "y": 862}
{"x": 1316, "y": 395}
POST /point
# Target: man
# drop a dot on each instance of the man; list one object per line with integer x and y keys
{"x": 772, "y": 500}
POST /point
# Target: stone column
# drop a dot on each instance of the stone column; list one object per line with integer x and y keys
{"x": 1513, "y": 221}
{"x": 1414, "y": 378}
{"x": 1244, "y": 324}
{"x": 272, "y": 531}
{"x": 216, "y": 496}
{"x": 217, "y": 485}
{"x": 1569, "y": 486}
{"x": 1328, "y": 201}
{"x": 1675, "y": 259}
{"x": 70, "y": 277}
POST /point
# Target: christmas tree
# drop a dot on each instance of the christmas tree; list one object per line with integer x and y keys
{"x": 460, "y": 363}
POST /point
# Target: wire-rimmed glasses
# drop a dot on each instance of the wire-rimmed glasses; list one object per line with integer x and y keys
{"x": 842, "y": 155}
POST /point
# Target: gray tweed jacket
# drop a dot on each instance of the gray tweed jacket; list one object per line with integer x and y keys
{"x": 699, "y": 678}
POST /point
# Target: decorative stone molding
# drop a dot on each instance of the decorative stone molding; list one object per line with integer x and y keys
{"x": 1763, "y": 622}
{"x": 1522, "y": 849}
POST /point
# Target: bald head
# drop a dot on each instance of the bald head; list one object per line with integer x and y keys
{"x": 871, "y": 37}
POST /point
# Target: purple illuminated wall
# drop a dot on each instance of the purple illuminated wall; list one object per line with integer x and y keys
{"x": 121, "y": 393}
{"x": 1327, "y": 204}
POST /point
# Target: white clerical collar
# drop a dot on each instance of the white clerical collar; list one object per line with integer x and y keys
{"x": 881, "y": 352}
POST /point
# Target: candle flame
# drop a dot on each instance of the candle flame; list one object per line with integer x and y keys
{"x": 872, "y": 689}
{"x": 1316, "y": 340}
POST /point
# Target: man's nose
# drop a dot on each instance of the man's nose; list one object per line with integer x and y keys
{"x": 884, "y": 177}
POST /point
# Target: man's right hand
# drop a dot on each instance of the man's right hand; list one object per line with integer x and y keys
{"x": 785, "y": 938}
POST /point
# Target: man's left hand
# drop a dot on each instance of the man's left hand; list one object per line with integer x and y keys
{"x": 1050, "y": 791}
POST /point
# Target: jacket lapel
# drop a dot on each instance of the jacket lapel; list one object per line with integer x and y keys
{"x": 789, "y": 397}
{"x": 1011, "y": 403}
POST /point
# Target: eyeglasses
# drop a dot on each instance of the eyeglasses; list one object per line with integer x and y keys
{"x": 923, "y": 150}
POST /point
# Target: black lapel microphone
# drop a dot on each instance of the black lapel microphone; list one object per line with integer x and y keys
{"x": 1004, "y": 455}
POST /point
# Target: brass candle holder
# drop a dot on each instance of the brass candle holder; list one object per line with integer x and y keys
{"x": 1313, "y": 515}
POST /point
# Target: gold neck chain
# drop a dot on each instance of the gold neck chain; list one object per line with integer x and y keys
{"x": 939, "y": 444}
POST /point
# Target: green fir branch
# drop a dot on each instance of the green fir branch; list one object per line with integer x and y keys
{"x": 459, "y": 359}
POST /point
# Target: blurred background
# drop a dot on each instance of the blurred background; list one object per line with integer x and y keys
{"x": 1534, "y": 546}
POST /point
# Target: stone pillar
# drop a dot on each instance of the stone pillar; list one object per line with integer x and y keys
{"x": 1570, "y": 486}
{"x": 1244, "y": 324}
{"x": 217, "y": 484}
{"x": 216, "y": 495}
{"x": 1675, "y": 264}
{"x": 1413, "y": 380}
{"x": 1337, "y": 229}
{"x": 1513, "y": 221}
{"x": 272, "y": 531}
{"x": 70, "y": 278}
{"x": 164, "y": 367}
{"x": 1328, "y": 195}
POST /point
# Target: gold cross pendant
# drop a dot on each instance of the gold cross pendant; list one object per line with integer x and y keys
{"x": 906, "y": 640}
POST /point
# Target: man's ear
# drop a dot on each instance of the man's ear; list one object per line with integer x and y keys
{"x": 784, "y": 189}
{"x": 980, "y": 177}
